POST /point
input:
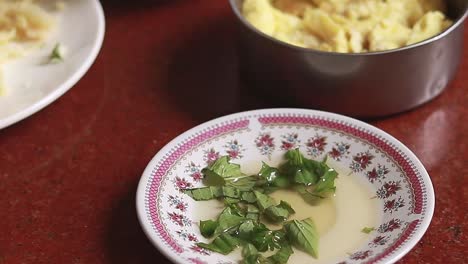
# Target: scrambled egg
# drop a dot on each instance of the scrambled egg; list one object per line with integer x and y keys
{"x": 348, "y": 25}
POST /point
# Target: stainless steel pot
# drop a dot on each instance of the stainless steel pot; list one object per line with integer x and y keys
{"x": 365, "y": 85}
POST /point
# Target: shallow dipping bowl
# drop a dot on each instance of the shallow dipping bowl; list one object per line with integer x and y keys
{"x": 395, "y": 178}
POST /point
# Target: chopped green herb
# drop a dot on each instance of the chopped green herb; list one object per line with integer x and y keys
{"x": 282, "y": 255}
{"x": 249, "y": 250}
{"x": 252, "y": 212}
{"x": 264, "y": 201}
{"x": 271, "y": 178}
{"x": 246, "y": 229}
{"x": 265, "y": 239}
{"x": 228, "y": 220}
{"x": 246, "y": 198}
{"x": 223, "y": 244}
{"x": 303, "y": 234}
{"x": 301, "y": 169}
{"x": 57, "y": 54}
{"x": 279, "y": 213}
{"x": 367, "y": 230}
{"x": 208, "y": 227}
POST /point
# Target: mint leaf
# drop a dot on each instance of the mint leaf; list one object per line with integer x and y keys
{"x": 230, "y": 201}
{"x": 253, "y": 259}
{"x": 217, "y": 173}
{"x": 242, "y": 183}
{"x": 228, "y": 220}
{"x": 231, "y": 192}
{"x": 282, "y": 256}
{"x": 224, "y": 168}
{"x": 265, "y": 239}
{"x": 249, "y": 250}
{"x": 212, "y": 192}
{"x": 222, "y": 172}
{"x": 307, "y": 194}
{"x": 279, "y": 213}
{"x": 208, "y": 227}
{"x": 326, "y": 184}
{"x": 324, "y": 187}
{"x": 252, "y": 212}
{"x": 250, "y": 255}
{"x": 303, "y": 234}
{"x": 264, "y": 201}
{"x": 271, "y": 178}
{"x": 237, "y": 210}
{"x": 223, "y": 244}
{"x": 300, "y": 168}
{"x": 245, "y": 229}
{"x": 204, "y": 193}
{"x": 367, "y": 230}
{"x": 248, "y": 197}
{"x": 211, "y": 178}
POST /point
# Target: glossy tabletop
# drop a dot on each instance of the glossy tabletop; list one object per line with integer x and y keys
{"x": 68, "y": 174}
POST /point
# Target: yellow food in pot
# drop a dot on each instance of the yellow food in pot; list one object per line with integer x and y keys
{"x": 348, "y": 25}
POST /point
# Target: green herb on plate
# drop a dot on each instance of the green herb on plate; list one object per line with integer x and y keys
{"x": 367, "y": 230}
{"x": 248, "y": 203}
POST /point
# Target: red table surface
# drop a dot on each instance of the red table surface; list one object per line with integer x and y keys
{"x": 68, "y": 174}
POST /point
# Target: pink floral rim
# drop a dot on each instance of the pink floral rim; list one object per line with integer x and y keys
{"x": 398, "y": 156}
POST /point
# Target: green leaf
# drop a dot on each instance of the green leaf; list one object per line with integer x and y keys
{"x": 223, "y": 244}
{"x": 249, "y": 250}
{"x": 300, "y": 168}
{"x": 280, "y": 212}
{"x": 303, "y": 234}
{"x": 307, "y": 194}
{"x": 237, "y": 210}
{"x": 326, "y": 185}
{"x": 212, "y": 192}
{"x": 248, "y": 197}
{"x": 228, "y": 220}
{"x": 231, "y": 192}
{"x": 229, "y": 201}
{"x": 304, "y": 176}
{"x": 264, "y": 201}
{"x": 367, "y": 230}
{"x": 250, "y": 255}
{"x": 208, "y": 227}
{"x": 242, "y": 183}
{"x": 282, "y": 255}
{"x": 224, "y": 168}
{"x": 222, "y": 172}
{"x": 211, "y": 178}
{"x": 252, "y": 212}
{"x": 204, "y": 193}
{"x": 57, "y": 54}
{"x": 265, "y": 239}
{"x": 245, "y": 229}
{"x": 324, "y": 188}
{"x": 272, "y": 178}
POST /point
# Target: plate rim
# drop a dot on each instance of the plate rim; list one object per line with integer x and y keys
{"x": 173, "y": 257}
{"x": 71, "y": 80}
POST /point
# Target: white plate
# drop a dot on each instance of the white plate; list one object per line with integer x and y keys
{"x": 395, "y": 178}
{"x": 32, "y": 85}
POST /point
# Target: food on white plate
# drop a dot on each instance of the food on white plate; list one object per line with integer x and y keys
{"x": 348, "y": 26}
{"x": 280, "y": 212}
{"x": 24, "y": 26}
